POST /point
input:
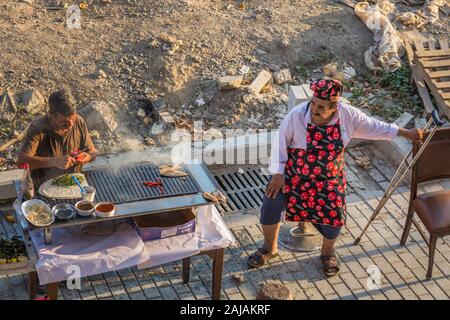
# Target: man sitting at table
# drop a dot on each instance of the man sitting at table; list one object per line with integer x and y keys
{"x": 53, "y": 142}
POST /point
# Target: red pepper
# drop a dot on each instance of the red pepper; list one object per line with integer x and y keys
{"x": 157, "y": 184}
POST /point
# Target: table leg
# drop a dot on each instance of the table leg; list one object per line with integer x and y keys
{"x": 52, "y": 291}
{"x": 186, "y": 269}
{"x": 217, "y": 274}
{"x": 32, "y": 284}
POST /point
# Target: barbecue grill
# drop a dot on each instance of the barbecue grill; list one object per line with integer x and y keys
{"x": 123, "y": 185}
{"x": 126, "y": 184}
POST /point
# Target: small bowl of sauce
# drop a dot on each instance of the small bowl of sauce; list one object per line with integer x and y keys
{"x": 105, "y": 209}
{"x": 85, "y": 208}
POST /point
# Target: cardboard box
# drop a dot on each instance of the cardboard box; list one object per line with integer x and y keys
{"x": 165, "y": 224}
{"x": 7, "y": 179}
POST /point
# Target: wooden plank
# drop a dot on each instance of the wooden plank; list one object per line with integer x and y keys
{"x": 432, "y": 53}
{"x": 439, "y": 63}
{"x": 409, "y": 52}
{"x": 446, "y": 95}
{"x": 423, "y": 93}
{"x": 419, "y": 45}
{"x": 431, "y": 45}
{"x": 439, "y": 74}
{"x": 442, "y": 85}
{"x": 443, "y": 43}
{"x": 443, "y": 105}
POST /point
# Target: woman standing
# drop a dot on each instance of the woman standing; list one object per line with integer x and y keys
{"x": 307, "y": 166}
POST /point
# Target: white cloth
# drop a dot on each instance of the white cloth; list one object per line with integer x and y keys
{"x": 91, "y": 254}
{"x": 211, "y": 233}
{"x": 124, "y": 248}
{"x": 354, "y": 124}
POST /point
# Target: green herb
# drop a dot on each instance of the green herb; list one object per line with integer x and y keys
{"x": 66, "y": 180}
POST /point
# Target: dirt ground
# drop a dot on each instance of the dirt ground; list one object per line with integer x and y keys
{"x": 175, "y": 50}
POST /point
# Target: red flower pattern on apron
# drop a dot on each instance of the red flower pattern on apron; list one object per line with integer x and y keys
{"x": 315, "y": 178}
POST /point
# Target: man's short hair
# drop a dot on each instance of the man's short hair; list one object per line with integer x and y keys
{"x": 62, "y": 102}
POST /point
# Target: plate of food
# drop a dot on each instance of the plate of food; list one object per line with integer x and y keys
{"x": 38, "y": 213}
{"x": 63, "y": 187}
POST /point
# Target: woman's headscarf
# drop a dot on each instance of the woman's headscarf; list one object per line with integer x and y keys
{"x": 327, "y": 89}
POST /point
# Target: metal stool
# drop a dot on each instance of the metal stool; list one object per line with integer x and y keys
{"x": 302, "y": 237}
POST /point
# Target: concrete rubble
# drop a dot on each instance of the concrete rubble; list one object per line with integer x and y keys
{"x": 99, "y": 116}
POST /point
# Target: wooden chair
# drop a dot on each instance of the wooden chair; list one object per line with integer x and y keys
{"x": 432, "y": 208}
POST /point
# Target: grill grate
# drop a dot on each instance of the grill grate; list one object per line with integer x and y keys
{"x": 244, "y": 187}
{"x": 125, "y": 184}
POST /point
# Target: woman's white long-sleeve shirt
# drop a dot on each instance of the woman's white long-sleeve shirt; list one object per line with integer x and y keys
{"x": 354, "y": 124}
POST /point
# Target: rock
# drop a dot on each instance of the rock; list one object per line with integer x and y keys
{"x": 340, "y": 76}
{"x": 229, "y": 82}
{"x": 284, "y": 97}
{"x": 167, "y": 119}
{"x": 147, "y": 120}
{"x": 244, "y": 70}
{"x": 330, "y": 69}
{"x": 200, "y": 101}
{"x": 344, "y": 100}
{"x": 260, "y": 81}
{"x": 8, "y": 107}
{"x": 347, "y": 95}
{"x": 420, "y": 123}
{"x": 274, "y": 291}
{"x": 238, "y": 278}
{"x": 2, "y": 76}
{"x": 95, "y": 134}
{"x": 171, "y": 44}
{"x": 282, "y": 76}
{"x": 32, "y": 100}
{"x": 101, "y": 74}
{"x": 267, "y": 88}
{"x": 99, "y": 116}
{"x": 247, "y": 98}
{"x": 141, "y": 113}
{"x": 149, "y": 141}
{"x": 297, "y": 95}
{"x": 404, "y": 119}
{"x": 349, "y": 73}
{"x": 157, "y": 129}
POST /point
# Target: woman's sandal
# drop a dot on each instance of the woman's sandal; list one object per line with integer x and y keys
{"x": 260, "y": 257}
{"x": 330, "y": 265}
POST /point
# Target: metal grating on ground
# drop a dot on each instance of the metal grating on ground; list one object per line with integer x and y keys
{"x": 244, "y": 187}
{"x": 125, "y": 184}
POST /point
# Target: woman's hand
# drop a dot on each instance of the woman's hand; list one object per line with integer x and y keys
{"x": 411, "y": 134}
{"x": 275, "y": 185}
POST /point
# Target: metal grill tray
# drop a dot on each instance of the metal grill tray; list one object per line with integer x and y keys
{"x": 125, "y": 184}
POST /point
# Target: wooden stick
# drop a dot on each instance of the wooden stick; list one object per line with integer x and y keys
{"x": 13, "y": 141}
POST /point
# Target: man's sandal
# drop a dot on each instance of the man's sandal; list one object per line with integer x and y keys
{"x": 330, "y": 265}
{"x": 260, "y": 257}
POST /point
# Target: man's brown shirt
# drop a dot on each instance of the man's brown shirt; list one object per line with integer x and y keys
{"x": 42, "y": 141}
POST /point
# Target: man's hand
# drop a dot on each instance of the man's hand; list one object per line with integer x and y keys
{"x": 64, "y": 163}
{"x": 411, "y": 134}
{"x": 83, "y": 158}
{"x": 275, "y": 185}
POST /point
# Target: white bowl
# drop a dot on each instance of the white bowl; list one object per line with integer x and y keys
{"x": 27, "y": 204}
{"x": 102, "y": 214}
{"x": 85, "y": 213}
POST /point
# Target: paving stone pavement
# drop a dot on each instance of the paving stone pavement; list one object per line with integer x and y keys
{"x": 402, "y": 269}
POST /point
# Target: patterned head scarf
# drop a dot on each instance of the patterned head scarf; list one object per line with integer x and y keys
{"x": 327, "y": 89}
